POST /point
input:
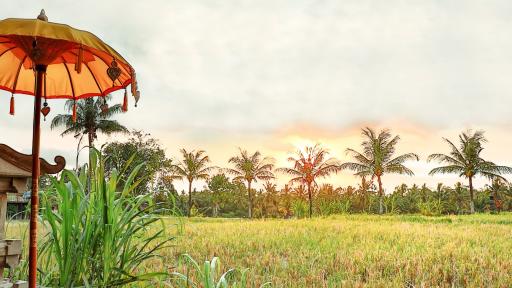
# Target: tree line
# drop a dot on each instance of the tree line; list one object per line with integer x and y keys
{"x": 303, "y": 195}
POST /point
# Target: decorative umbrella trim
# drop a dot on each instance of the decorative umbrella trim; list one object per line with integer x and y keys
{"x": 86, "y": 95}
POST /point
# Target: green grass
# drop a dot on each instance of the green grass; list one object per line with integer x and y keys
{"x": 353, "y": 250}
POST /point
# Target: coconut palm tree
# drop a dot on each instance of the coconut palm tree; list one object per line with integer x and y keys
{"x": 466, "y": 161}
{"x": 363, "y": 190}
{"x": 499, "y": 191}
{"x": 92, "y": 117}
{"x": 308, "y": 166}
{"x": 250, "y": 168}
{"x": 377, "y": 158}
{"x": 192, "y": 166}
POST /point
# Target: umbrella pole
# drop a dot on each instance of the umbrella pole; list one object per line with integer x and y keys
{"x": 34, "y": 195}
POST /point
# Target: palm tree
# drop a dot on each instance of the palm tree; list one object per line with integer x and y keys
{"x": 250, "y": 168}
{"x": 363, "y": 190}
{"x": 92, "y": 117}
{"x": 378, "y": 158}
{"x": 193, "y": 166}
{"x": 498, "y": 190}
{"x": 309, "y": 165}
{"x": 466, "y": 161}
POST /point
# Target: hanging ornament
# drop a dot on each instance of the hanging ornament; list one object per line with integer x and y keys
{"x": 104, "y": 106}
{"x": 11, "y": 109}
{"x": 125, "y": 101}
{"x": 79, "y": 60}
{"x": 113, "y": 71}
{"x": 45, "y": 110}
{"x": 73, "y": 117}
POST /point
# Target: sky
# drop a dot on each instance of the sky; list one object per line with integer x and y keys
{"x": 275, "y": 75}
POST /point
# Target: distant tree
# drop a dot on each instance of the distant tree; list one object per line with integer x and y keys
{"x": 91, "y": 119}
{"x": 220, "y": 186}
{"x": 285, "y": 203}
{"x": 250, "y": 168}
{"x": 377, "y": 158}
{"x": 300, "y": 191}
{"x": 140, "y": 148}
{"x": 363, "y": 191}
{"x": 194, "y": 165}
{"x": 499, "y": 191}
{"x": 466, "y": 161}
{"x": 271, "y": 199}
{"x": 308, "y": 166}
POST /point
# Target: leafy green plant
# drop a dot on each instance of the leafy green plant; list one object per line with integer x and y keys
{"x": 299, "y": 208}
{"x": 329, "y": 207}
{"x": 209, "y": 275}
{"x": 101, "y": 238}
{"x": 431, "y": 208}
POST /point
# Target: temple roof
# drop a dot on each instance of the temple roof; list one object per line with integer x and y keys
{"x": 24, "y": 162}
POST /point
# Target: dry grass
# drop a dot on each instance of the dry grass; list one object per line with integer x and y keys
{"x": 354, "y": 250}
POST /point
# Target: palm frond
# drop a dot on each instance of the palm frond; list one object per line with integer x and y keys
{"x": 450, "y": 169}
{"x": 356, "y": 167}
{"x": 403, "y": 158}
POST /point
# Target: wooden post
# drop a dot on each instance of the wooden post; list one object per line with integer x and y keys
{"x": 34, "y": 195}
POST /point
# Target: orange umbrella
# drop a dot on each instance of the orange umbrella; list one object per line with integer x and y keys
{"x": 51, "y": 60}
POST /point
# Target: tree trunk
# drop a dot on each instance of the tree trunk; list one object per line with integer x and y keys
{"x": 215, "y": 210}
{"x": 90, "y": 137}
{"x": 310, "y": 201}
{"x": 472, "y": 202}
{"x": 250, "y": 198}
{"x": 381, "y": 204}
{"x": 189, "y": 197}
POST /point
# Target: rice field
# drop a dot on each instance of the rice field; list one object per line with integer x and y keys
{"x": 351, "y": 250}
{"x": 360, "y": 250}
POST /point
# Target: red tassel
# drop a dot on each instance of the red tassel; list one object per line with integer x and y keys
{"x": 11, "y": 110}
{"x": 125, "y": 101}
{"x": 74, "y": 113}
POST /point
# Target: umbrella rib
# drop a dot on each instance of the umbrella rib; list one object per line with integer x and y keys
{"x": 7, "y": 50}
{"x": 18, "y": 74}
{"x": 69, "y": 75}
{"x": 94, "y": 77}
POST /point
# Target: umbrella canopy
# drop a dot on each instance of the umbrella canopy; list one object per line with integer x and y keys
{"x": 50, "y": 60}
{"x": 77, "y": 60}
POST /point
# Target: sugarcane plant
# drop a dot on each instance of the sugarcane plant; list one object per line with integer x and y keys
{"x": 101, "y": 238}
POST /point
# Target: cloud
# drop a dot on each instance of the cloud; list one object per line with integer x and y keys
{"x": 248, "y": 72}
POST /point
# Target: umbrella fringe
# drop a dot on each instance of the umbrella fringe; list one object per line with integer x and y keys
{"x": 134, "y": 82}
{"x": 125, "y": 101}
{"x": 11, "y": 108}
